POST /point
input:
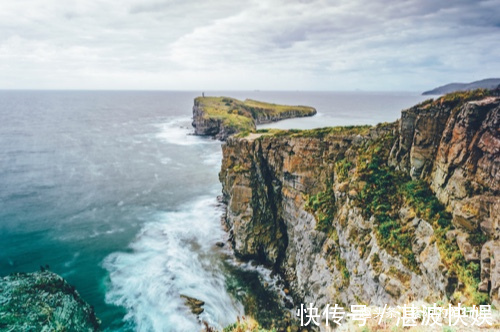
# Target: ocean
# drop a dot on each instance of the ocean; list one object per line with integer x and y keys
{"x": 115, "y": 194}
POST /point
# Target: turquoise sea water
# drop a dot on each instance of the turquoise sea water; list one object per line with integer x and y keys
{"x": 112, "y": 191}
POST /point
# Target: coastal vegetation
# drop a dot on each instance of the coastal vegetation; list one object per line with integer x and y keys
{"x": 398, "y": 212}
{"x": 384, "y": 192}
{"x": 316, "y": 133}
{"x": 333, "y": 210}
{"x": 455, "y": 99}
{"x": 231, "y": 112}
{"x": 223, "y": 116}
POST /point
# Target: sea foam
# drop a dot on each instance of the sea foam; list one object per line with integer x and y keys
{"x": 173, "y": 255}
{"x": 178, "y": 132}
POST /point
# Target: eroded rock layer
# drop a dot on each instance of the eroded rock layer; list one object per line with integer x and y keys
{"x": 384, "y": 215}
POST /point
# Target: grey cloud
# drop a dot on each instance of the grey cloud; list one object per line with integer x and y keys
{"x": 170, "y": 41}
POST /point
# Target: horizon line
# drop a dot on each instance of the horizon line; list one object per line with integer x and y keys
{"x": 201, "y": 90}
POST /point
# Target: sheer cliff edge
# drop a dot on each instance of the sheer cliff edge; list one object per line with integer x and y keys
{"x": 377, "y": 215}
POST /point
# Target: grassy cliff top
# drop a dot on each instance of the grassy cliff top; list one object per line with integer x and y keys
{"x": 312, "y": 133}
{"x": 452, "y": 100}
{"x": 457, "y": 98}
{"x": 244, "y": 114}
{"x": 217, "y": 106}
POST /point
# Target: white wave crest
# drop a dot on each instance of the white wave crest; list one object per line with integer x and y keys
{"x": 171, "y": 256}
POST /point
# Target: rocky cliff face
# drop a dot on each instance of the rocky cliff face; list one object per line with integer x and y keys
{"x": 262, "y": 118}
{"x": 43, "y": 301}
{"x": 398, "y": 212}
{"x": 210, "y": 126}
{"x": 455, "y": 147}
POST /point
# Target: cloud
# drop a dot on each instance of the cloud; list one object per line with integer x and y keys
{"x": 272, "y": 44}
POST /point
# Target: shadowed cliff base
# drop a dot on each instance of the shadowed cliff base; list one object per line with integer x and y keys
{"x": 391, "y": 214}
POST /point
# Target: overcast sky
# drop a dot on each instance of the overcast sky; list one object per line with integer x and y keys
{"x": 239, "y": 45}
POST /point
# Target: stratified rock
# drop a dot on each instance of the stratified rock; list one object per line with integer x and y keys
{"x": 468, "y": 157}
{"x": 43, "y": 301}
{"x": 265, "y": 184}
{"x": 271, "y": 184}
{"x": 456, "y": 147}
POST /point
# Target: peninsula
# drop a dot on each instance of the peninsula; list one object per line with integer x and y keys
{"x": 221, "y": 117}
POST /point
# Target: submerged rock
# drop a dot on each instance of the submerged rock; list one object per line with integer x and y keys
{"x": 194, "y": 305}
{"x": 43, "y": 301}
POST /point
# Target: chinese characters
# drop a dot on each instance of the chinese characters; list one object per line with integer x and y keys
{"x": 405, "y": 316}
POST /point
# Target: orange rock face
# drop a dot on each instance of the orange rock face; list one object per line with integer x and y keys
{"x": 454, "y": 146}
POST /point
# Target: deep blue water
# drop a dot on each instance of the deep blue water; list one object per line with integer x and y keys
{"x": 112, "y": 191}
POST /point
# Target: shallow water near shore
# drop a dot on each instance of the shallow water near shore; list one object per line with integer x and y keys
{"x": 114, "y": 193}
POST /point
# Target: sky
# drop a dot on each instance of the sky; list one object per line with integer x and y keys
{"x": 377, "y": 45}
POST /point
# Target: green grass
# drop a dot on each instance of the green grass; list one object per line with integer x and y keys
{"x": 381, "y": 198}
{"x": 322, "y": 206}
{"x": 460, "y": 97}
{"x": 262, "y": 108}
{"x": 418, "y": 194}
{"x": 241, "y": 116}
{"x": 455, "y": 99}
{"x": 387, "y": 190}
{"x": 323, "y": 132}
{"x": 342, "y": 168}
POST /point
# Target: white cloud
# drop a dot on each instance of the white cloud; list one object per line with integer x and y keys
{"x": 174, "y": 44}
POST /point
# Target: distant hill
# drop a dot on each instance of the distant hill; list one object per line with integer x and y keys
{"x": 489, "y": 83}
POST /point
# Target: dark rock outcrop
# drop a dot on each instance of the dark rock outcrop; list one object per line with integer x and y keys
{"x": 43, "y": 301}
{"x": 195, "y": 305}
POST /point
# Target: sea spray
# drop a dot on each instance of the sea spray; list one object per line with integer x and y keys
{"x": 173, "y": 255}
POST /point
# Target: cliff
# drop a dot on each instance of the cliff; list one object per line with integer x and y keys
{"x": 378, "y": 215}
{"x": 221, "y": 117}
{"x": 43, "y": 301}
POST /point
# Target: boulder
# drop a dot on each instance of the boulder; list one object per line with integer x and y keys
{"x": 43, "y": 301}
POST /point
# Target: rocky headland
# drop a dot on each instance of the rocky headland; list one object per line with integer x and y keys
{"x": 43, "y": 301}
{"x": 221, "y": 117}
{"x": 389, "y": 214}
